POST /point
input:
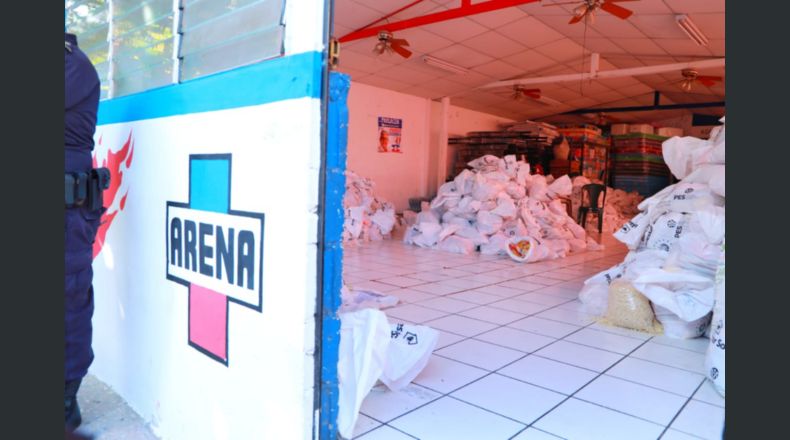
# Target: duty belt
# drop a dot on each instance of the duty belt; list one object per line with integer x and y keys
{"x": 86, "y": 189}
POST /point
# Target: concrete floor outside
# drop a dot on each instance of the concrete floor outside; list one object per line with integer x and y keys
{"x": 106, "y": 416}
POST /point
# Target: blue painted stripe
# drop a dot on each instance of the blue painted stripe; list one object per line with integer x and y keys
{"x": 337, "y": 137}
{"x": 278, "y": 79}
{"x": 209, "y": 184}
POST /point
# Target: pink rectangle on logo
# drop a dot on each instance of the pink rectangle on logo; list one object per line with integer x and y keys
{"x": 208, "y": 320}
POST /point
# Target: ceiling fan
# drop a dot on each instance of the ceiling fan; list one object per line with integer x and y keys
{"x": 389, "y": 44}
{"x": 691, "y": 75}
{"x": 586, "y": 10}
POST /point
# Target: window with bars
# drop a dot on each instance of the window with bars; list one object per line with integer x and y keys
{"x": 140, "y": 45}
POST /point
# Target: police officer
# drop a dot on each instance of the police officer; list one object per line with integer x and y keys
{"x": 83, "y": 211}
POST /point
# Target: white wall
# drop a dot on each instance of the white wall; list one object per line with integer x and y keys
{"x": 398, "y": 176}
{"x": 141, "y": 320}
{"x": 414, "y": 172}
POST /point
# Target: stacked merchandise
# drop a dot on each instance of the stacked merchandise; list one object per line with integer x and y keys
{"x": 500, "y": 143}
{"x": 638, "y": 164}
{"x": 367, "y": 217}
{"x": 620, "y": 205}
{"x": 676, "y": 247}
{"x": 589, "y": 149}
{"x": 539, "y": 129}
{"x": 495, "y": 202}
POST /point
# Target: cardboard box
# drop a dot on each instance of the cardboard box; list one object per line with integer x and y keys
{"x": 618, "y": 129}
{"x": 669, "y": 131}
{"x": 641, "y": 128}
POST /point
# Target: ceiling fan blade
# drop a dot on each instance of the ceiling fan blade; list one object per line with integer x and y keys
{"x": 399, "y": 41}
{"x": 617, "y": 11}
{"x": 400, "y": 50}
{"x": 577, "y": 18}
{"x": 708, "y": 81}
{"x": 532, "y": 93}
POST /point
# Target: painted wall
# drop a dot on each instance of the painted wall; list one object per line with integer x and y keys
{"x": 159, "y": 341}
{"x": 412, "y": 173}
{"x": 398, "y": 176}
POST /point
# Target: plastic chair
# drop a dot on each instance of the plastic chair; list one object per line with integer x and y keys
{"x": 593, "y": 193}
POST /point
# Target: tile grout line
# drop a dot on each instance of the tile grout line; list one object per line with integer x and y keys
{"x": 585, "y": 385}
{"x": 685, "y": 404}
{"x": 441, "y": 395}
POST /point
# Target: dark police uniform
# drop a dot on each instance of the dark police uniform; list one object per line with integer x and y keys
{"x": 82, "y": 220}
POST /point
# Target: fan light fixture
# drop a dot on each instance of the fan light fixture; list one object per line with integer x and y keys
{"x": 444, "y": 65}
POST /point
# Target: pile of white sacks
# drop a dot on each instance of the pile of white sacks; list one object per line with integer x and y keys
{"x": 498, "y": 200}
{"x": 367, "y": 217}
{"x": 676, "y": 242}
{"x": 620, "y": 205}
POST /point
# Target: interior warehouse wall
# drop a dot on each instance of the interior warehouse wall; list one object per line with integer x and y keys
{"x": 413, "y": 172}
{"x": 266, "y": 119}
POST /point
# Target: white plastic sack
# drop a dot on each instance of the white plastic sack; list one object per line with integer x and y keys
{"x": 505, "y": 207}
{"x": 457, "y": 245}
{"x": 676, "y": 328}
{"x": 714, "y": 358}
{"x": 470, "y": 232}
{"x": 595, "y": 296}
{"x": 561, "y": 187}
{"x": 633, "y": 230}
{"x": 488, "y": 223}
{"x": 354, "y": 300}
{"x": 409, "y": 350}
{"x": 362, "y": 357}
{"x": 384, "y": 219}
{"x": 448, "y": 230}
{"x": 665, "y": 231}
{"x": 486, "y": 163}
{"x": 464, "y": 182}
{"x": 497, "y": 245}
{"x": 687, "y": 294}
{"x": 678, "y": 153}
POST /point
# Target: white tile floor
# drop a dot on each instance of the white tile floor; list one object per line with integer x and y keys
{"x": 519, "y": 359}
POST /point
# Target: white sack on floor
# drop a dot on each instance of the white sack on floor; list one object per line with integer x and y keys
{"x": 714, "y": 358}
{"x": 362, "y": 357}
{"x": 367, "y": 217}
{"x": 354, "y": 300}
{"x": 496, "y": 200}
{"x": 675, "y": 241}
{"x": 409, "y": 350}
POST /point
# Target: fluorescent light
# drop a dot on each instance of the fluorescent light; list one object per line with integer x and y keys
{"x": 691, "y": 30}
{"x": 444, "y": 65}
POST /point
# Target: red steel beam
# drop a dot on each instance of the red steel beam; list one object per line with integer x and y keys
{"x": 466, "y": 9}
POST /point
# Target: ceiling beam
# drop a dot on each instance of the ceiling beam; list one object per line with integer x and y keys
{"x": 644, "y": 108}
{"x": 466, "y": 9}
{"x": 603, "y": 74}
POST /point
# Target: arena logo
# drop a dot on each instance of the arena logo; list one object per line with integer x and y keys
{"x": 215, "y": 251}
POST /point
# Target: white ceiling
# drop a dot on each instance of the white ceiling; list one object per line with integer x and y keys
{"x": 532, "y": 40}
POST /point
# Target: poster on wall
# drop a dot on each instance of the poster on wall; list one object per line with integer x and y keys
{"x": 389, "y": 134}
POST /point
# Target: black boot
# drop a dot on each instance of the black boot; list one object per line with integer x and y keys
{"x": 73, "y": 416}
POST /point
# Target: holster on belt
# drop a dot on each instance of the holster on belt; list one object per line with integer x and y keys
{"x": 87, "y": 189}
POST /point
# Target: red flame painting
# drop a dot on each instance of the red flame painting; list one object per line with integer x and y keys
{"x": 113, "y": 163}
